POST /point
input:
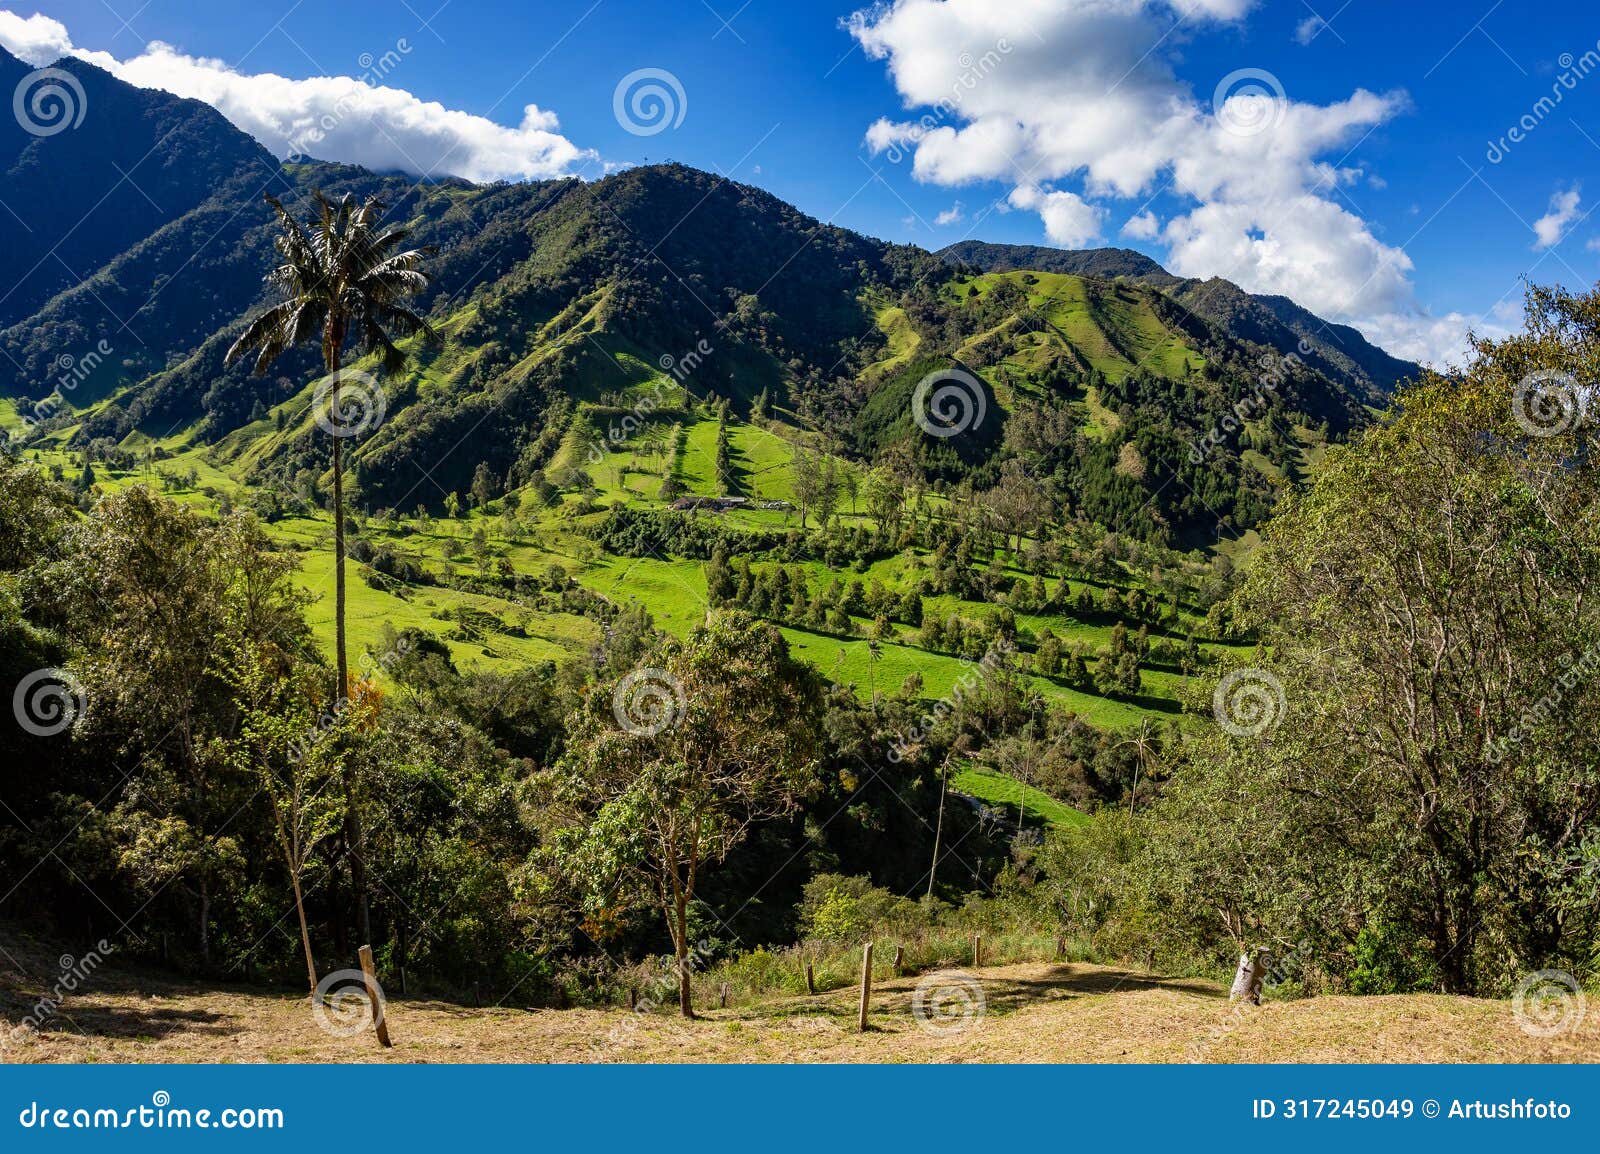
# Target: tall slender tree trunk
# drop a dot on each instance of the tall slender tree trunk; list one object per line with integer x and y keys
{"x": 352, "y": 816}
{"x": 205, "y": 923}
{"x": 334, "y": 367}
{"x": 305, "y": 930}
{"x": 679, "y": 918}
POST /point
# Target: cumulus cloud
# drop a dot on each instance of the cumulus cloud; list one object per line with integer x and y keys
{"x": 955, "y": 214}
{"x": 1552, "y": 226}
{"x": 1076, "y": 104}
{"x": 38, "y": 40}
{"x": 1069, "y": 220}
{"x": 1144, "y": 226}
{"x": 356, "y": 119}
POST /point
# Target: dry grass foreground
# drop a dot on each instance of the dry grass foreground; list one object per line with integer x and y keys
{"x": 1032, "y": 1013}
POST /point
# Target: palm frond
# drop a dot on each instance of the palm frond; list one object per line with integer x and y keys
{"x": 345, "y": 269}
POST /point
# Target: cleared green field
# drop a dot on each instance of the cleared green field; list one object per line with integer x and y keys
{"x": 997, "y": 789}
{"x": 497, "y": 630}
{"x": 903, "y": 340}
{"x": 552, "y": 637}
{"x": 1108, "y": 327}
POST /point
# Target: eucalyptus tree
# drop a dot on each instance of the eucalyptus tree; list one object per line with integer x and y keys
{"x": 671, "y": 766}
{"x": 1410, "y": 761}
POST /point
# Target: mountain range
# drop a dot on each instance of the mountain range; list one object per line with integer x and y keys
{"x": 132, "y": 248}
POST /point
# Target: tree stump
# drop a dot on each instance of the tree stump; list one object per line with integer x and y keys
{"x": 1248, "y": 978}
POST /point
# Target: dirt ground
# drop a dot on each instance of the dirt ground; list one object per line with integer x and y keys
{"x": 1021, "y": 1013}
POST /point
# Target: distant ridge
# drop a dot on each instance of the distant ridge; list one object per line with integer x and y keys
{"x": 1110, "y": 262}
{"x": 1336, "y": 350}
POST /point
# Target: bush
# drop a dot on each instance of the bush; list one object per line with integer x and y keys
{"x": 836, "y": 908}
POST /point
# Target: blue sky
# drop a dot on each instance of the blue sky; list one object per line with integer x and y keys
{"x": 1354, "y": 171}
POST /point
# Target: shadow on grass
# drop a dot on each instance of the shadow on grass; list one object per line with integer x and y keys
{"x": 1001, "y": 994}
{"x": 154, "y": 1023}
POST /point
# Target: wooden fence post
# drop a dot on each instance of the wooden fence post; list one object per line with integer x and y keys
{"x": 633, "y": 998}
{"x": 369, "y": 974}
{"x": 811, "y": 980}
{"x": 724, "y": 995}
{"x": 866, "y": 987}
{"x": 899, "y": 960}
{"x": 977, "y": 950}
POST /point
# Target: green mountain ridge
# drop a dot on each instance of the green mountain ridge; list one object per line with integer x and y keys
{"x": 1335, "y": 350}
{"x": 1104, "y": 375}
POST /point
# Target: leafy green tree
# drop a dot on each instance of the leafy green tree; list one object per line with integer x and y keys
{"x": 286, "y": 748}
{"x": 1408, "y": 775}
{"x": 150, "y": 587}
{"x": 721, "y": 586}
{"x": 671, "y": 767}
{"x": 727, "y": 482}
{"x": 483, "y": 485}
{"x": 884, "y": 497}
{"x": 807, "y": 481}
{"x": 1047, "y": 658}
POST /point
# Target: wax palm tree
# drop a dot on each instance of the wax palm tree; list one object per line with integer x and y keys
{"x": 1145, "y": 747}
{"x": 345, "y": 278}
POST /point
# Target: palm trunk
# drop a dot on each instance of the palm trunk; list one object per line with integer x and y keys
{"x": 352, "y": 818}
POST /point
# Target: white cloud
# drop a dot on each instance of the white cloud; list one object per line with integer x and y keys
{"x": 1145, "y": 226}
{"x": 1306, "y": 31}
{"x": 358, "y": 120}
{"x": 955, "y": 214}
{"x": 37, "y": 40}
{"x": 1069, "y": 220}
{"x": 1552, "y": 226}
{"x": 1041, "y": 94}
